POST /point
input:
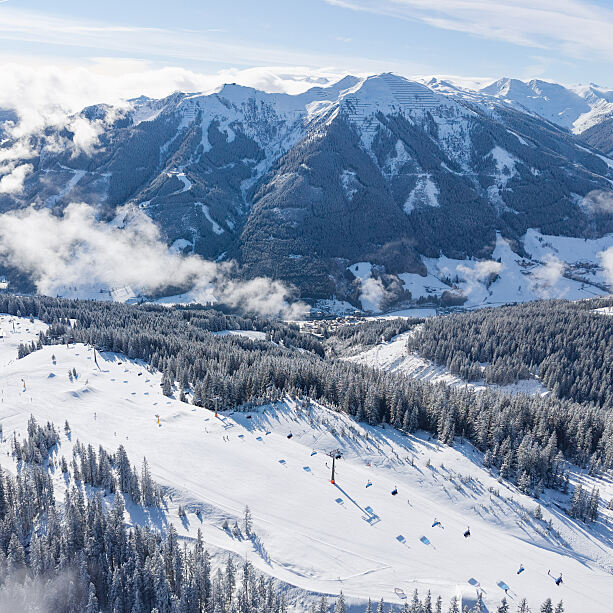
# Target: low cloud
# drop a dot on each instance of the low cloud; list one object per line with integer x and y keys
{"x": 474, "y": 276}
{"x": 372, "y": 294}
{"x": 20, "y": 592}
{"x": 79, "y": 251}
{"x": 606, "y": 257}
{"x": 598, "y": 201}
{"x": 13, "y": 177}
{"x": 545, "y": 278}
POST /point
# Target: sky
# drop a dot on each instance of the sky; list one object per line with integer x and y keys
{"x": 568, "y": 41}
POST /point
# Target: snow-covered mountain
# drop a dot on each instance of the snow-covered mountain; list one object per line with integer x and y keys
{"x": 380, "y": 170}
{"x": 576, "y": 108}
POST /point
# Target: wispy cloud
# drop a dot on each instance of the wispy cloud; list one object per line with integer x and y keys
{"x": 79, "y": 251}
{"x": 575, "y": 27}
{"x": 545, "y": 278}
{"x": 171, "y": 44}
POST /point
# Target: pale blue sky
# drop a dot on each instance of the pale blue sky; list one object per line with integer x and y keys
{"x": 570, "y": 41}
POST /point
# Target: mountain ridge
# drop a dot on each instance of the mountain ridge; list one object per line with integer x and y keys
{"x": 379, "y": 169}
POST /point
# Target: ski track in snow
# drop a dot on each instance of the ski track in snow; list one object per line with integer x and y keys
{"x": 308, "y": 539}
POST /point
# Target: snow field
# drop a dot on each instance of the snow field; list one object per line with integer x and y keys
{"x": 314, "y": 535}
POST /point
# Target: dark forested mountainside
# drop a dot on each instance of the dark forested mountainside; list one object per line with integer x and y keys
{"x": 531, "y": 435}
{"x": 567, "y": 344}
{"x": 600, "y": 136}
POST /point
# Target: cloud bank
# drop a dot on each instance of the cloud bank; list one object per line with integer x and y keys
{"x": 45, "y": 96}
{"x": 79, "y": 251}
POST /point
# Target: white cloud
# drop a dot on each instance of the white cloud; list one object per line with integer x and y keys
{"x": 372, "y": 294}
{"x": 474, "y": 275}
{"x": 575, "y": 27}
{"x": 545, "y": 278}
{"x": 165, "y": 44}
{"x": 606, "y": 257}
{"x": 598, "y": 201}
{"x": 77, "y": 250}
{"x": 12, "y": 181}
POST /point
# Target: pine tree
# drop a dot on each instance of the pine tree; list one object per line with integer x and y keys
{"x": 340, "y": 604}
{"x": 92, "y": 601}
{"x": 560, "y": 607}
{"x": 547, "y": 607}
{"x": 323, "y": 605}
{"x": 415, "y": 606}
{"x": 538, "y": 512}
{"x": 247, "y": 522}
{"x": 16, "y": 555}
{"x": 504, "y": 606}
{"x": 439, "y": 605}
{"x": 428, "y": 603}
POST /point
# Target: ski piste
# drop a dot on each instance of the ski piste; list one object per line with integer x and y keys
{"x": 368, "y": 545}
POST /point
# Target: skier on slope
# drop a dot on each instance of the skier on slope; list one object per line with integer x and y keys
{"x": 467, "y": 533}
{"x": 437, "y": 523}
{"x": 521, "y": 569}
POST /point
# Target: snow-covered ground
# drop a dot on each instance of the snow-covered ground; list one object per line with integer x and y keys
{"x": 544, "y": 274}
{"x": 254, "y": 335}
{"x": 312, "y": 534}
{"x": 393, "y": 356}
{"x": 605, "y": 311}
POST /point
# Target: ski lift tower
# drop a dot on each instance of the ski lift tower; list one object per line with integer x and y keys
{"x": 335, "y": 455}
{"x": 215, "y": 400}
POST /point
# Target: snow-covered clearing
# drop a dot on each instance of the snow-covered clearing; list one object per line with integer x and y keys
{"x": 425, "y": 193}
{"x": 393, "y": 356}
{"x": 605, "y": 311}
{"x": 254, "y": 335}
{"x": 312, "y": 534}
{"x": 206, "y": 212}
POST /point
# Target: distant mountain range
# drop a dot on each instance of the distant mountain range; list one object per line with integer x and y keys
{"x": 380, "y": 170}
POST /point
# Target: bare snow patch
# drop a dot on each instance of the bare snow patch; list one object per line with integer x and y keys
{"x": 205, "y": 211}
{"x": 424, "y": 193}
{"x": 505, "y": 164}
{"x": 350, "y": 183}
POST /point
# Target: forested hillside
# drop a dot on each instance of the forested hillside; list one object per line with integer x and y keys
{"x": 567, "y": 345}
{"x": 529, "y": 436}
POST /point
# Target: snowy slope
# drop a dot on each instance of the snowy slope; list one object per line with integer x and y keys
{"x": 314, "y": 535}
{"x": 393, "y": 356}
{"x": 556, "y": 267}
